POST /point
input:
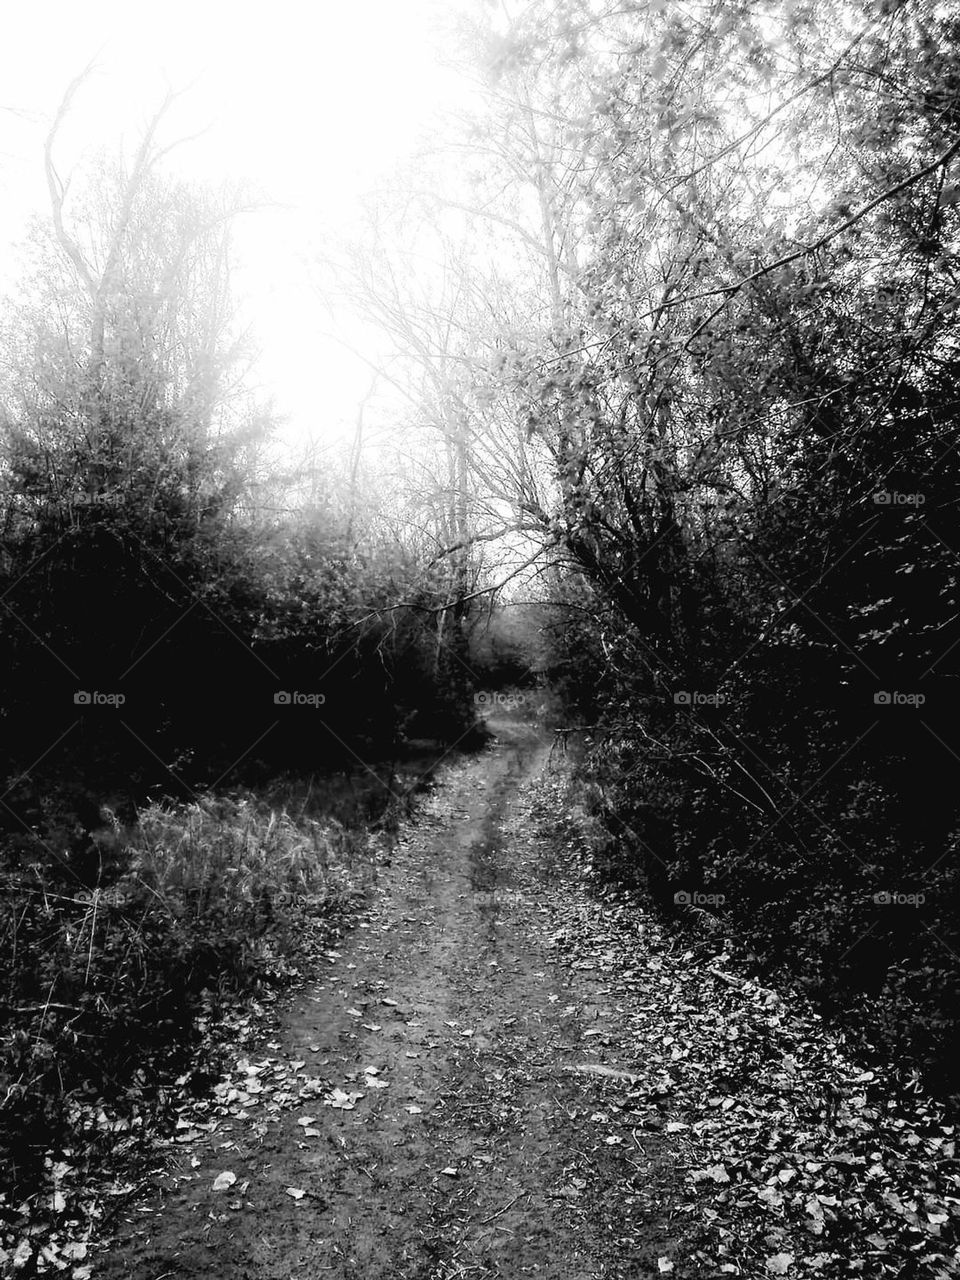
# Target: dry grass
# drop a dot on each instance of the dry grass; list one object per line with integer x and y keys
{"x": 240, "y": 855}
{"x": 103, "y": 987}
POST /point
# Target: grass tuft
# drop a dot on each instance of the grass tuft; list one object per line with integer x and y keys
{"x": 106, "y": 986}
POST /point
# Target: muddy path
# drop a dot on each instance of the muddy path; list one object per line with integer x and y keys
{"x": 475, "y": 1134}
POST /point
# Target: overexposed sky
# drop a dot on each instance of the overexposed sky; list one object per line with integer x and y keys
{"x": 312, "y": 104}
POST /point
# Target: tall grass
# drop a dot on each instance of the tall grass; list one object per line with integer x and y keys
{"x": 234, "y": 862}
{"x": 102, "y": 984}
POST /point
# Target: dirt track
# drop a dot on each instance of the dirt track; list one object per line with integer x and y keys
{"x": 491, "y": 1151}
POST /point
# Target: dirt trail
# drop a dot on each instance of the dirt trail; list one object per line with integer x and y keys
{"x": 487, "y": 1152}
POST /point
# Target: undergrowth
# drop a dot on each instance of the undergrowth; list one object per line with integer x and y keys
{"x": 859, "y": 925}
{"x": 115, "y": 959}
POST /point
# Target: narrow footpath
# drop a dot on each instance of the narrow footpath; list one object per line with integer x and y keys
{"x": 496, "y": 1075}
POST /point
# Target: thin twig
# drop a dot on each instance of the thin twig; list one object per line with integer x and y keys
{"x": 42, "y": 1008}
{"x": 509, "y": 1204}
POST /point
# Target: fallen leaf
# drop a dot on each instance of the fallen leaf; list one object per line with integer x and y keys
{"x": 779, "y": 1263}
{"x": 342, "y": 1101}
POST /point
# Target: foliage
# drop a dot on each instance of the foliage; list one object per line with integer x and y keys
{"x": 106, "y": 987}
{"x": 147, "y": 516}
{"x": 738, "y": 390}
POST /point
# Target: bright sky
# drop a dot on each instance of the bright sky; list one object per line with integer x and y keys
{"x": 313, "y": 103}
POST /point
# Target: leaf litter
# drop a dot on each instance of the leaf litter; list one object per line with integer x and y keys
{"x": 799, "y": 1160}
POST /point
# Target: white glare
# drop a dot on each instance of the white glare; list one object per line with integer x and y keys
{"x": 309, "y": 105}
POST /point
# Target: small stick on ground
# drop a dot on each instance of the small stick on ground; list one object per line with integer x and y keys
{"x": 507, "y": 1206}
